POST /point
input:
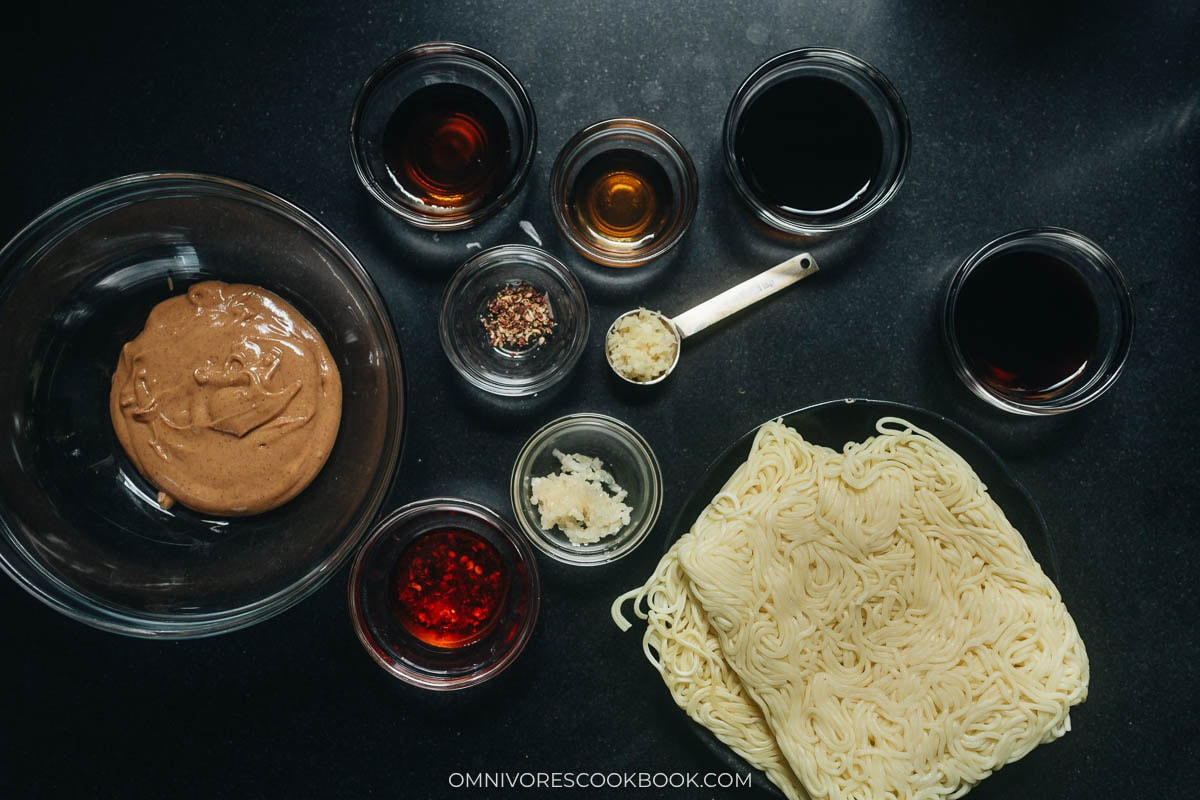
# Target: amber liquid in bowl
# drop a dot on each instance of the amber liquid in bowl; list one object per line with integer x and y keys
{"x": 447, "y": 146}
{"x": 622, "y": 199}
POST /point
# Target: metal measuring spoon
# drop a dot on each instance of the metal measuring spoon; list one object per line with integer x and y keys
{"x": 728, "y": 302}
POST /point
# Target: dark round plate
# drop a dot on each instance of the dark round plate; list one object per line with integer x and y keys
{"x": 833, "y": 424}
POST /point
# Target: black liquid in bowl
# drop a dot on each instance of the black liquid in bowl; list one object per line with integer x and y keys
{"x": 815, "y": 141}
{"x": 810, "y": 146}
{"x": 79, "y": 527}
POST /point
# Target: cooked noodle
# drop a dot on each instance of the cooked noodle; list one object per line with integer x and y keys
{"x": 863, "y": 624}
{"x": 680, "y": 643}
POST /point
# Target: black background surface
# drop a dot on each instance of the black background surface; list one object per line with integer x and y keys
{"x": 1081, "y": 115}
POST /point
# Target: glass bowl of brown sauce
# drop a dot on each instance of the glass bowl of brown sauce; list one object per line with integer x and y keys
{"x": 443, "y": 135}
{"x": 1038, "y": 321}
{"x": 444, "y": 594}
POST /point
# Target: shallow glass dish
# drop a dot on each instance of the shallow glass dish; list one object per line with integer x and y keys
{"x": 374, "y": 591}
{"x": 80, "y": 529}
{"x": 503, "y": 368}
{"x": 626, "y": 456}
{"x": 443, "y": 135}
{"x": 880, "y": 102}
{"x": 1110, "y": 327}
{"x": 623, "y": 192}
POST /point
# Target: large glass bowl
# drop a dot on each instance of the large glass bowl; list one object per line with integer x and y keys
{"x": 79, "y": 527}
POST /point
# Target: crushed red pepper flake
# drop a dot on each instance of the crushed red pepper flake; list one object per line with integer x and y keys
{"x": 450, "y": 585}
{"x": 518, "y": 316}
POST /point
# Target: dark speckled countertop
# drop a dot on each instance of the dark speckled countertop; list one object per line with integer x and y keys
{"x": 1074, "y": 114}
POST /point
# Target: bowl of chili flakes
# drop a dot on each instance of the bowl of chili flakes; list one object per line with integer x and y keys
{"x": 514, "y": 320}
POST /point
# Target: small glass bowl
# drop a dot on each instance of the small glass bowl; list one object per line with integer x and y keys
{"x": 882, "y": 101}
{"x": 404, "y": 655}
{"x": 1114, "y": 319}
{"x": 626, "y": 456}
{"x": 623, "y": 192}
{"x": 496, "y": 98}
{"x": 513, "y": 371}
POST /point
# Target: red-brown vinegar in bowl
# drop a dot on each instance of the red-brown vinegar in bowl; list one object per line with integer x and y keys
{"x": 1027, "y": 324}
{"x": 448, "y": 146}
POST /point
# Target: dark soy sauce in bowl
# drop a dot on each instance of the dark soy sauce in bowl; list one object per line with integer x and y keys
{"x": 1027, "y": 324}
{"x": 810, "y": 146}
{"x": 816, "y": 140}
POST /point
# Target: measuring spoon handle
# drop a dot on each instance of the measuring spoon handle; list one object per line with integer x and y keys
{"x": 746, "y": 293}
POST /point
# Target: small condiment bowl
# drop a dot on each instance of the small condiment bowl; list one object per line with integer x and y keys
{"x": 460, "y": 138}
{"x": 1081, "y": 300}
{"x": 514, "y": 370}
{"x": 375, "y": 597}
{"x": 880, "y": 101}
{"x": 623, "y": 192}
{"x": 626, "y": 456}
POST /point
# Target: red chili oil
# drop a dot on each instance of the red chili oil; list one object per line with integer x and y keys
{"x": 450, "y": 587}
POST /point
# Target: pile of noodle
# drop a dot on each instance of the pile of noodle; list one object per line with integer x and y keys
{"x": 862, "y": 625}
